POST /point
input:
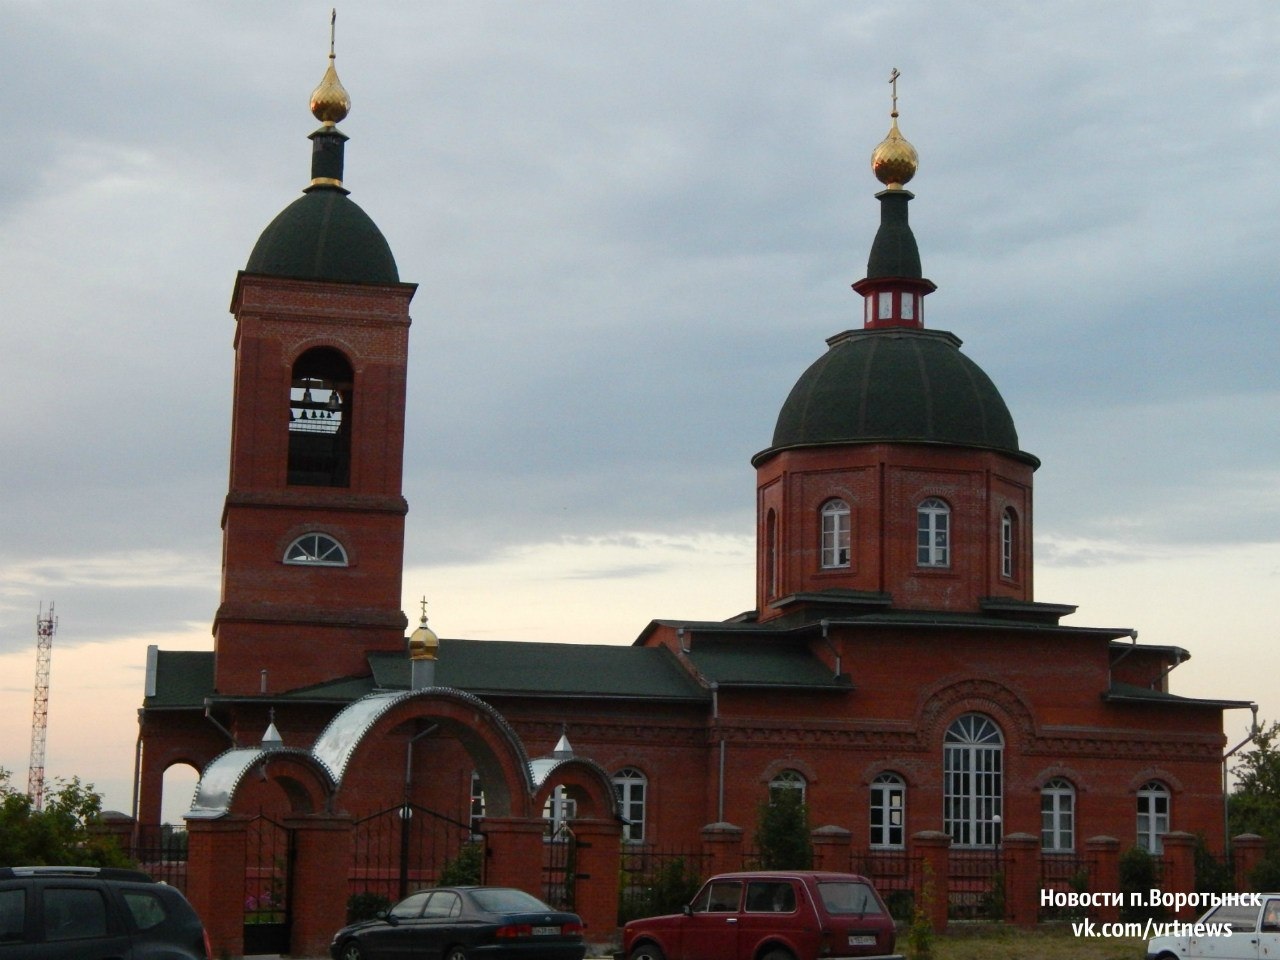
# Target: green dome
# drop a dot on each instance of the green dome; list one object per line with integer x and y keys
{"x": 323, "y": 235}
{"x": 896, "y": 385}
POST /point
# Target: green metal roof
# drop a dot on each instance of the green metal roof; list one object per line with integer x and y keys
{"x": 183, "y": 679}
{"x": 323, "y": 235}
{"x": 549, "y": 669}
{"x": 740, "y": 662}
{"x": 896, "y": 385}
{"x": 1128, "y": 693}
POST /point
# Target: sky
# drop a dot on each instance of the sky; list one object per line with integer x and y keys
{"x": 633, "y": 225}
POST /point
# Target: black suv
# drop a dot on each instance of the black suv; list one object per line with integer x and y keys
{"x": 92, "y": 913}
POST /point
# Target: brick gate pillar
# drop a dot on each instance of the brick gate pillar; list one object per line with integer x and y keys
{"x": 319, "y": 884}
{"x": 1246, "y": 853}
{"x": 599, "y": 860}
{"x": 722, "y": 845}
{"x": 215, "y": 880}
{"x": 1180, "y": 869}
{"x": 1021, "y": 879}
{"x": 831, "y": 848}
{"x": 933, "y": 847}
{"x": 513, "y": 853}
{"x": 1104, "y": 875}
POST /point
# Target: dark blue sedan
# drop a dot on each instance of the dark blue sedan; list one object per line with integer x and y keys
{"x": 464, "y": 923}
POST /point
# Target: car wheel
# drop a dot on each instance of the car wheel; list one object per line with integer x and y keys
{"x": 455, "y": 953}
{"x": 778, "y": 955}
{"x": 351, "y": 951}
{"x": 646, "y": 951}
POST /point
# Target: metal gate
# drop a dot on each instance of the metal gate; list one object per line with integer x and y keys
{"x": 406, "y": 847}
{"x": 267, "y": 873}
{"x": 559, "y": 869}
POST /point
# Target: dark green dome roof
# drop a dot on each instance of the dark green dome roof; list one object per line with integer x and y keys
{"x": 323, "y": 235}
{"x": 896, "y": 385}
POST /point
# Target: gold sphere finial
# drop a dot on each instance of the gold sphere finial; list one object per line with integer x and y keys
{"x": 894, "y": 161}
{"x": 330, "y": 101}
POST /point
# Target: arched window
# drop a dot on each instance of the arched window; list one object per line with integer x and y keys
{"x": 771, "y": 555}
{"x": 788, "y": 780}
{"x": 320, "y": 419}
{"x": 1058, "y": 816}
{"x": 888, "y": 810}
{"x": 317, "y": 550}
{"x": 1008, "y": 543}
{"x": 630, "y": 786}
{"x": 835, "y": 534}
{"x": 973, "y": 789}
{"x": 933, "y": 533}
{"x": 1153, "y": 816}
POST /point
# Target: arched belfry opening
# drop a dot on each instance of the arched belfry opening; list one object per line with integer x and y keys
{"x": 320, "y": 418}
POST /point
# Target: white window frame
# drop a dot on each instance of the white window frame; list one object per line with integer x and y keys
{"x": 477, "y": 802}
{"x": 973, "y": 781}
{"x": 1008, "y": 543}
{"x": 557, "y": 811}
{"x": 631, "y": 787}
{"x": 836, "y": 527}
{"x": 316, "y": 550}
{"x": 1154, "y": 804}
{"x": 888, "y": 811}
{"x": 933, "y": 533}
{"x": 789, "y": 780}
{"x": 1058, "y": 816}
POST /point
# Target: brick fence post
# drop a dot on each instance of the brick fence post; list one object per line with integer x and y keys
{"x": 598, "y": 862}
{"x": 722, "y": 845}
{"x": 319, "y": 880}
{"x": 1246, "y": 853}
{"x": 934, "y": 891}
{"x": 513, "y": 853}
{"x": 830, "y": 848}
{"x": 1180, "y": 868}
{"x": 1021, "y": 879}
{"x": 215, "y": 880}
{"x": 1104, "y": 875}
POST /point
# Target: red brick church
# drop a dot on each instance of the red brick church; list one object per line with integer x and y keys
{"x": 896, "y": 668}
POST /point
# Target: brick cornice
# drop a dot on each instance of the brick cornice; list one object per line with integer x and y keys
{"x": 310, "y": 616}
{"x": 318, "y": 498}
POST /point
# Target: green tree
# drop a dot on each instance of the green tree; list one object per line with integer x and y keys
{"x": 1254, "y": 804}
{"x": 62, "y": 833}
{"x": 782, "y": 832}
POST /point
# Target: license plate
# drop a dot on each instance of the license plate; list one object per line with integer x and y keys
{"x": 545, "y": 931}
{"x": 861, "y": 940}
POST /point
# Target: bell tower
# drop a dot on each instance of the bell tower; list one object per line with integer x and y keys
{"x": 313, "y": 524}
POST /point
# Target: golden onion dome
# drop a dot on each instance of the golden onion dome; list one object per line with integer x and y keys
{"x": 894, "y": 161}
{"x": 330, "y": 101}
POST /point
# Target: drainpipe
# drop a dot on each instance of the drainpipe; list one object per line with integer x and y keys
{"x": 826, "y": 624}
{"x": 1226, "y": 807}
{"x": 1133, "y": 645}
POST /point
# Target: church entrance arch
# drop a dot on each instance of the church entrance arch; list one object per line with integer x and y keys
{"x": 404, "y": 763}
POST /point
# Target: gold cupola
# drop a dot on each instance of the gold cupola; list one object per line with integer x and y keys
{"x": 894, "y": 161}
{"x": 423, "y": 642}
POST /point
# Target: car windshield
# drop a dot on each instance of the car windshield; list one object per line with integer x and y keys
{"x": 501, "y": 900}
{"x": 849, "y": 897}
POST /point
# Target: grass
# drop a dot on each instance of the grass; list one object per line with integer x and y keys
{"x": 998, "y": 942}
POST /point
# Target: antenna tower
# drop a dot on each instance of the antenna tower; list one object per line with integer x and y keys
{"x": 46, "y": 624}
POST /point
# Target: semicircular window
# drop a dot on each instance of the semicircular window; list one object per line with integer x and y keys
{"x": 316, "y": 549}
